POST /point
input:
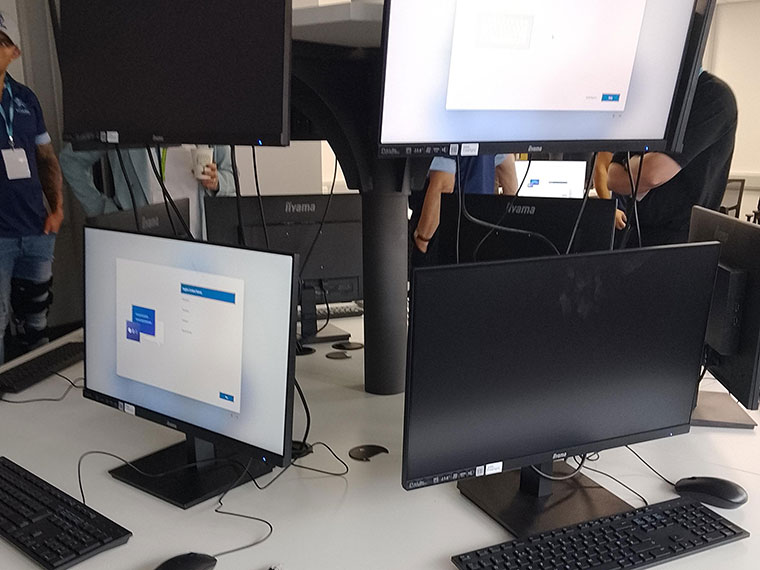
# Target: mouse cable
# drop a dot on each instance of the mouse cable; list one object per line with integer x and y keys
{"x": 586, "y": 192}
{"x": 322, "y": 222}
{"x": 629, "y": 448}
{"x": 294, "y": 464}
{"x": 260, "y": 199}
{"x": 238, "y": 202}
{"x": 327, "y": 307}
{"x": 220, "y": 505}
{"x": 618, "y": 481}
{"x": 168, "y": 200}
{"x": 60, "y": 398}
{"x": 506, "y": 211}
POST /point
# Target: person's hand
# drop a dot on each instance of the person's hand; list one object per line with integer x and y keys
{"x": 420, "y": 242}
{"x": 53, "y": 222}
{"x": 212, "y": 182}
{"x": 620, "y": 219}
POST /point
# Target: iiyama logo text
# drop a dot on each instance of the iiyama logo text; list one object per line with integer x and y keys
{"x": 150, "y": 223}
{"x": 560, "y": 455}
{"x": 523, "y": 209}
{"x": 532, "y": 148}
{"x": 304, "y": 208}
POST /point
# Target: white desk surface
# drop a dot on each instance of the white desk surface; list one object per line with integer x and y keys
{"x": 362, "y": 521}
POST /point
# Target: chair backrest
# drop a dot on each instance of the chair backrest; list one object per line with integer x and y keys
{"x": 732, "y": 199}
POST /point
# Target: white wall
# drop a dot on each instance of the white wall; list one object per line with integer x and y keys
{"x": 733, "y": 56}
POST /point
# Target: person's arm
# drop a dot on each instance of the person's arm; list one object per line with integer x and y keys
{"x": 77, "y": 170}
{"x": 221, "y": 178}
{"x": 52, "y": 186}
{"x": 506, "y": 175}
{"x": 656, "y": 170}
{"x": 439, "y": 183}
{"x": 601, "y": 165}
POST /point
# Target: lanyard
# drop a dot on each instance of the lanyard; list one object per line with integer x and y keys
{"x": 8, "y": 120}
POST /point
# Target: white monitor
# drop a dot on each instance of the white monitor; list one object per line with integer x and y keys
{"x": 195, "y": 336}
{"x": 466, "y": 77}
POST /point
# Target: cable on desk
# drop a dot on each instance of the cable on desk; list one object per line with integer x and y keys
{"x": 629, "y": 448}
{"x": 561, "y": 477}
{"x": 59, "y": 399}
{"x": 618, "y": 481}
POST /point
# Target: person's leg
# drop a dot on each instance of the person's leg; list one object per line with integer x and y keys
{"x": 9, "y": 251}
{"x": 30, "y": 294}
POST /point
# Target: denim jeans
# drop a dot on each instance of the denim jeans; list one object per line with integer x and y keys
{"x": 29, "y": 258}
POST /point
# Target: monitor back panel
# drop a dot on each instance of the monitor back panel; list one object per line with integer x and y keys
{"x": 153, "y": 219}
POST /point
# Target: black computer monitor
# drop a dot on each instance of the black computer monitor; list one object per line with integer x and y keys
{"x": 482, "y": 76}
{"x": 153, "y": 219}
{"x": 733, "y": 330}
{"x": 149, "y": 72}
{"x": 199, "y": 338}
{"x": 519, "y": 363}
{"x": 462, "y": 241}
{"x": 331, "y": 261}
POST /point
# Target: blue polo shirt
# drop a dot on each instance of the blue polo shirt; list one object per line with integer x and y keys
{"x": 22, "y": 210}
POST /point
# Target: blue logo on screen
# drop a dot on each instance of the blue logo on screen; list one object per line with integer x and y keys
{"x": 614, "y": 97}
{"x": 146, "y": 318}
{"x": 228, "y": 397}
{"x": 533, "y": 182}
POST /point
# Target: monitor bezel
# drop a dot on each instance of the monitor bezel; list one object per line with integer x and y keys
{"x": 177, "y": 424}
{"x": 672, "y": 140}
{"x": 411, "y": 483}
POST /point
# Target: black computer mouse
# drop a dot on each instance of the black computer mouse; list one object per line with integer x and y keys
{"x": 189, "y": 561}
{"x": 712, "y": 491}
{"x": 365, "y": 452}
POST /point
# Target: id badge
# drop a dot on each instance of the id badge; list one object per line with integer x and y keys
{"x": 16, "y": 163}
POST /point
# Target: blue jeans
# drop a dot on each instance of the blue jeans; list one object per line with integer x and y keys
{"x": 29, "y": 258}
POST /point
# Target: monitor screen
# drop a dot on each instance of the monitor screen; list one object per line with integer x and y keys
{"x": 467, "y": 77}
{"x": 195, "y": 336}
{"x": 161, "y": 71}
{"x": 521, "y": 362}
{"x": 552, "y": 178}
{"x": 733, "y": 333}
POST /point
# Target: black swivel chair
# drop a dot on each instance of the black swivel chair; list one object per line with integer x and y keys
{"x": 734, "y": 187}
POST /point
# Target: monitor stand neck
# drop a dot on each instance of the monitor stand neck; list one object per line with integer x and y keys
{"x": 310, "y": 333}
{"x": 525, "y": 503}
{"x": 185, "y": 485}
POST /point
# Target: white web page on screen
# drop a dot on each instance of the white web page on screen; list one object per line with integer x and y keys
{"x": 535, "y": 55}
{"x": 180, "y": 331}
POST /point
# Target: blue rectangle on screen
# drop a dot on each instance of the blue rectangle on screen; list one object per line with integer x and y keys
{"x": 205, "y": 293}
{"x": 228, "y": 397}
{"x": 146, "y": 318}
{"x": 611, "y": 97}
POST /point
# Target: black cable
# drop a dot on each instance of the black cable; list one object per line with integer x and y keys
{"x": 239, "y": 201}
{"x": 618, "y": 481}
{"x": 470, "y": 218}
{"x": 560, "y": 477}
{"x": 327, "y": 305}
{"x": 322, "y": 222}
{"x": 162, "y": 174}
{"x": 633, "y": 207}
{"x": 258, "y": 193}
{"x": 294, "y": 464}
{"x": 306, "y": 411}
{"x": 72, "y": 386}
{"x": 629, "y": 448}
{"x": 506, "y": 210}
{"x": 129, "y": 187}
{"x": 586, "y": 192}
{"x": 167, "y": 196}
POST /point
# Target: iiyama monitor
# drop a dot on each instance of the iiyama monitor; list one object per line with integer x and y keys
{"x": 519, "y": 363}
{"x": 462, "y": 241}
{"x": 153, "y": 219}
{"x": 197, "y": 337}
{"x": 733, "y": 331}
{"x": 148, "y": 72}
{"x": 468, "y": 77}
{"x": 331, "y": 261}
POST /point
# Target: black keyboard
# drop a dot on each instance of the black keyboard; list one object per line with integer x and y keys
{"x": 635, "y": 539}
{"x": 32, "y": 371}
{"x": 340, "y": 310}
{"x": 49, "y": 526}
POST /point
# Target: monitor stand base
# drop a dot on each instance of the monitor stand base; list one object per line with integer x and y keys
{"x": 331, "y": 333}
{"x": 193, "y": 485}
{"x": 572, "y": 501}
{"x": 718, "y": 409}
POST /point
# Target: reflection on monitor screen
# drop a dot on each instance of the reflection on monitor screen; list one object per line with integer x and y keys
{"x": 483, "y": 76}
{"x": 195, "y": 336}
